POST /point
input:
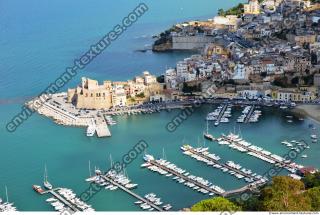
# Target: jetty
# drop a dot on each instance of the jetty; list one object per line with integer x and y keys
{"x": 64, "y": 199}
{"x": 197, "y": 183}
{"x": 102, "y": 127}
{"x": 110, "y": 180}
{"x": 249, "y": 114}
{"x": 235, "y": 142}
{"x": 223, "y": 109}
{"x": 64, "y": 113}
{"x": 202, "y": 154}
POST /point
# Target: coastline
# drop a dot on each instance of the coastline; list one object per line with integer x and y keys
{"x": 312, "y": 111}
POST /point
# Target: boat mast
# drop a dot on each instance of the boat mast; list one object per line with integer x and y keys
{"x": 45, "y": 173}
{"x": 89, "y": 168}
{"x": 111, "y": 162}
{"x": 164, "y": 157}
{"x": 207, "y": 127}
{"x": 7, "y": 194}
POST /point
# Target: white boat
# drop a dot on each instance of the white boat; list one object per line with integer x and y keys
{"x": 91, "y": 129}
{"x": 313, "y": 136}
{"x": 148, "y": 157}
{"x": 304, "y": 156}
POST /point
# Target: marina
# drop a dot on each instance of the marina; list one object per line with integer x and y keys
{"x": 234, "y": 141}
{"x": 113, "y": 180}
{"x": 212, "y": 160}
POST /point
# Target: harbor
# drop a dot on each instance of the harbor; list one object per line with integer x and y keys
{"x": 80, "y": 151}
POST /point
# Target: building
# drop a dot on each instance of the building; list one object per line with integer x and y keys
{"x": 252, "y": 7}
{"x": 294, "y": 95}
{"x": 90, "y": 95}
{"x": 316, "y": 80}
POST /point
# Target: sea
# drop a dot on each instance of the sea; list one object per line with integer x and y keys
{"x": 39, "y": 39}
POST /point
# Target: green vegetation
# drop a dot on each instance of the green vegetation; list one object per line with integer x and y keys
{"x": 312, "y": 180}
{"x": 140, "y": 95}
{"x": 160, "y": 79}
{"x": 281, "y": 82}
{"x": 237, "y": 10}
{"x": 283, "y": 194}
{"x": 215, "y": 204}
{"x": 191, "y": 89}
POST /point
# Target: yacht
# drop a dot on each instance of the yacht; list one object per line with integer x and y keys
{"x": 314, "y": 136}
{"x": 148, "y": 157}
{"x": 304, "y": 156}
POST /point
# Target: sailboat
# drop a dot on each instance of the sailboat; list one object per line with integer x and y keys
{"x": 207, "y": 135}
{"x": 46, "y": 183}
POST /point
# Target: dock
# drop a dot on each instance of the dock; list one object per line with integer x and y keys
{"x": 249, "y": 114}
{"x": 204, "y": 155}
{"x": 68, "y": 200}
{"x": 131, "y": 193}
{"x": 221, "y": 113}
{"x": 233, "y": 141}
{"x": 102, "y": 127}
{"x": 185, "y": 178}
{"x": 63, "y": 200}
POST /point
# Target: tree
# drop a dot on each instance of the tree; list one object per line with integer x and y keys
{"x": 285, "y": 194}
{"x": 215, "y": 204}
{"x": 221, "y": 12}
{"x": 312, "y": 180}
{"x": 295, "y": 80}
{"x": 314, "y": 195}
{"x": 160, "y": 79}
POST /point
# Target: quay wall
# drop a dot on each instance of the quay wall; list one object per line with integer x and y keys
{"x": 190, "y": 42}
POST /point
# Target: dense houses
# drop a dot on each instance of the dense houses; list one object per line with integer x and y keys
{"x": 271, "y": 50}
{"x": 268, "y": 50}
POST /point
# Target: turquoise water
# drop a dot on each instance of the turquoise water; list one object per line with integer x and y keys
{"x": 40, "y": 38}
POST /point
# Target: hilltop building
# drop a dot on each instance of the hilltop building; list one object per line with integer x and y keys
{"x": 90, "y": 95}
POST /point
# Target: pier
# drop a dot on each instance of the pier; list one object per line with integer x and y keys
{"x": 184, "y": 177}
{"x": 223, "y": 109}
{"x": 233, "y": 141}
{"x": 230, "y": 168}
{"x": 110, "y": 180}
{"x": 249, "y": 114}
{"x": 63, "y": 200}
{"x": 102, "y": 127}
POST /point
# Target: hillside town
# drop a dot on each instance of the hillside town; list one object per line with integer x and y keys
{"x": 264, "y": 50}
{"x": 259, "y": 50}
